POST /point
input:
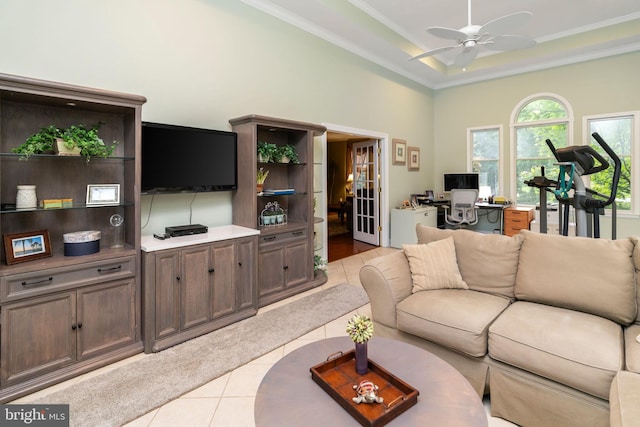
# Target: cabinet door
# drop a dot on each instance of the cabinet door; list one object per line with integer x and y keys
{"x": 38, "y": 336}
{"x": 195, "y": 286}
{"x": 246, "y": 276}
{"x": 270, "y": 266}
{"x": 105, "y": 317}
{"x": 167, "y": 278}
{"x": 223, "y": 264}
{"x": 297, "y": 263}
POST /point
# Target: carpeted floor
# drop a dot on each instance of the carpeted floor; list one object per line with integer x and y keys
{"x": 130, "y": 391}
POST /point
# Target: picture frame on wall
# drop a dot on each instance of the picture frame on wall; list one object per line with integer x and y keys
{"x": 28, "y": 246}
{"x": 413, "y": 155}
{"x": 399, "y": 152}
{"x": 103, "y": 194}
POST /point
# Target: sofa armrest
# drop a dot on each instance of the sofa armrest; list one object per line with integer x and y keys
{"x": 387, "y": 280}
{"x": 623, "y": 400}
{"x": 632, "y": 347}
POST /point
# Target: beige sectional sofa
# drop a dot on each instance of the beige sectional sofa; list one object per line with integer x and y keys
{"x": 546, "y": 324}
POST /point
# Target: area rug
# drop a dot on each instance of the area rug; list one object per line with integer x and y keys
{"x": 128, "y": 392}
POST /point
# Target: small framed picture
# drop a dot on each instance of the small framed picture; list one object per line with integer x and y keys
{"x": 20, "y": 247}
{"x": 399, "y": 152}
{"x": 103, "y": 194}
{"x": 413, "y": 153}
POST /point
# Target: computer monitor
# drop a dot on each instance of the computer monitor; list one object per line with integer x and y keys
{"x": 461, "y": 181}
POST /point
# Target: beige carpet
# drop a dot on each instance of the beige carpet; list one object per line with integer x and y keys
{"x": 128, "y": 392}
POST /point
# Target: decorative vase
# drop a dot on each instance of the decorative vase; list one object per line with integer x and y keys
{"x": 362, "y": 361}
{"x": 26, "y": 197}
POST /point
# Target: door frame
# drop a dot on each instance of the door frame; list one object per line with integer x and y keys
{"x": 383, "y": 141}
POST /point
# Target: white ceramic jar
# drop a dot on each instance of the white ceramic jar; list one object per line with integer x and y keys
{"x": 26, "y": 197}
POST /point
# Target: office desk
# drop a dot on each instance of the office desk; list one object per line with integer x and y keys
{"x": 488, "y": 207}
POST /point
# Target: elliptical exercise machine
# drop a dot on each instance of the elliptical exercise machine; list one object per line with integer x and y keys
{"x": 575, "y": 162}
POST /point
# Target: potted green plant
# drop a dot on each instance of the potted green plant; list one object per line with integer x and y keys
{"x": 39, "y": 143}
{"x": 261, "y": 176}
{"x": 74, "y": 140}
{"x": 88, "y": 141}
{"x": 266, "y": 151}
{"x": 286, "y": 154}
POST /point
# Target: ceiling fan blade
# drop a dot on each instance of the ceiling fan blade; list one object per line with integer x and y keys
{"x": 447, "y": 33}
{"x": 505, "y": 43}
{"x": 506, "y": 23}
{"x": 434, "y": 52}
{"x": 466, "y": 57}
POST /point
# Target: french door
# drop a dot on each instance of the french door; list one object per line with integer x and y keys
{"x": 366, "y": 196}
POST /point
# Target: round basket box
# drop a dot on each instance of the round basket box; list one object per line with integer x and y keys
{"x": 81, "y": 243}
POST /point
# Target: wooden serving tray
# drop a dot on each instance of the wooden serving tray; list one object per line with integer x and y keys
{"x": 337, "y": 376}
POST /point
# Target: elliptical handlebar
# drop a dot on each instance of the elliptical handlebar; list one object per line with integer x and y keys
{"x": 617, "y": 168}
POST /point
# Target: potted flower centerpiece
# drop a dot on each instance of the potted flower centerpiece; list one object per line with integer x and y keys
{"x": 360, "y": 330}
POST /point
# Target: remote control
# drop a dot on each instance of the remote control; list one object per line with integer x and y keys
{"x": 161, "y": 236}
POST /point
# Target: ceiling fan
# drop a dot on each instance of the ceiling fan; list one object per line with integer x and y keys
{"x": 490, "y": 35}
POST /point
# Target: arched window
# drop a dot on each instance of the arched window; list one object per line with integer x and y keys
{"x": 534, "y": 120}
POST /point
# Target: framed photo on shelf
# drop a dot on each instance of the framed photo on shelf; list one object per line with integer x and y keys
{"x": 103, "y": 194}
{"x": 413, "y": 153}
{"x": 399, "y": 152}
{"x": 21, "y": 247}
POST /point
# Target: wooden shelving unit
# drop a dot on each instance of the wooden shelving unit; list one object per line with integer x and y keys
{"x": 285, "y": 252}
{"x": 60, "y": 315}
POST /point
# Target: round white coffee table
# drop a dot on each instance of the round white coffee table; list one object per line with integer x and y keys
{"x": 288, "y": 396}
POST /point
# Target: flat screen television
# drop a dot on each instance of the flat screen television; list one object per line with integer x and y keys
{"x": 461, "y": 180}
{"x": 187, "y": 159}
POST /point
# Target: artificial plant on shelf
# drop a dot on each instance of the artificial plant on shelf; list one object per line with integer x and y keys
{"x": 261, "y": 176}
{"x": 287, "y": 154}
{"x": 75, "y": 136}
{"x": 267, "y": 151}
{"x": 360, "y": 330}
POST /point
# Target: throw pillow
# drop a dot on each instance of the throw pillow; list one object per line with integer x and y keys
{"x": 434, "y": 266}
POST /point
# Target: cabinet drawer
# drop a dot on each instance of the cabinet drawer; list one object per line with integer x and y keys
{"x": 516, "y": 215}
{"x": 42, "y": 282}
{"x": 282, "y": 237}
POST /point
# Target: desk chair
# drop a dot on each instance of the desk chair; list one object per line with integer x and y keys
{"x": 463, "y": 208}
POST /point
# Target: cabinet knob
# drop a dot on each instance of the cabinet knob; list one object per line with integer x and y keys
{"x": 76, "y": 326}
{"x": 240, "y": 263}
{"x": 286, "y": 267}
{"x": 79, "y": 325}
{"x": 211, "y": 270}
{"x": 178, "y": 278}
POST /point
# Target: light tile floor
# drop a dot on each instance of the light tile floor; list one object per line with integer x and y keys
{"x": 228, "y": 401}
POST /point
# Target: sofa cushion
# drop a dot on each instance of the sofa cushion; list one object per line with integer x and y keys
{"x": 578, "y": 349}
{"x": 591, "y": 275}
{"x": 487, "y": 262}
{"x": 454, "y": 318}
{"x": 434, "y": 266}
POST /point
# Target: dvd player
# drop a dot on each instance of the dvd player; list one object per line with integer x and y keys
{"x": 186, "y": 230}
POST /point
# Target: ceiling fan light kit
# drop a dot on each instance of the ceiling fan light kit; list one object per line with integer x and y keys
{"x": 492, "y": 35}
